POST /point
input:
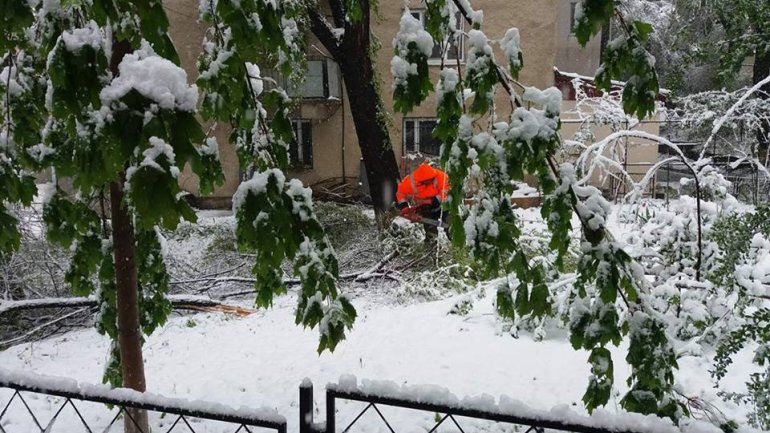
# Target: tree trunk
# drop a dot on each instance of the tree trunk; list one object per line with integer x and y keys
{"x": 762, "y": 71}
{"x": 371, "y": 129}
{"x": 124, "y": 255}
{"x": 354, "y": 57}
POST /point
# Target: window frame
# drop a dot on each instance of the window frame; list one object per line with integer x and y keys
{"x": 572, "y": 9}
{"x": 330, "y": 90}
{"x": 328, "y": 87}
{"x": 416, "y": 121}
{"x": 461, "y": 43}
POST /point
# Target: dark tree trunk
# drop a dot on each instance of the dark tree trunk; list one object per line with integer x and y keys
{"x": 355, "y": 61}
{"x": 762, "y": 71}
{"x": 371, "y": 129}
{"x": 124, "y": 255}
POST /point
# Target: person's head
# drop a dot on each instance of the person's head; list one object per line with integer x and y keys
{"x": 424, "y": 174}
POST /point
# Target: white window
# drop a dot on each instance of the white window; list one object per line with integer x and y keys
{"x": 418, "y": 137}
{"x": 301, "y": 149}
{"x": 455, "y": 49}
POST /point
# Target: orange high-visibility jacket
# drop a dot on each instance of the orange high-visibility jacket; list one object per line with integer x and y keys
{"x": 423, "y": 184}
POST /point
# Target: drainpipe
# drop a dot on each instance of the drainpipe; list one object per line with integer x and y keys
{"x": 343, "y": 95}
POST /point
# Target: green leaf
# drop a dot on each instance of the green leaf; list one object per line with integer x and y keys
{"x": 411, "y": 92}
{"x": 595, "y": 14}
{"x": 601, "y": 380}
{"x": 539, "y": 300}
{"x": 15, "y": 17}
{"x": 504, "y": 305}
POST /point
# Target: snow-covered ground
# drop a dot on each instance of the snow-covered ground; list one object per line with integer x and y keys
{"x": 260, "y": 360}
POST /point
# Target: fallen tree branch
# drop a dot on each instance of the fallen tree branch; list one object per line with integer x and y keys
{"x": 184, "y": 302}
{"x": 368, "y": 274}
{"x": 359, "y": 276}
{"x": 14, "y": 340}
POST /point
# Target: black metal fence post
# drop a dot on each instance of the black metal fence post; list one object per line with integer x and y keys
{"x": 330, "y": 412}
{"x": 306, "y": 406}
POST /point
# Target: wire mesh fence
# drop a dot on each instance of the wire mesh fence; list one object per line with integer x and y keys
{"x": 32, "y": 404}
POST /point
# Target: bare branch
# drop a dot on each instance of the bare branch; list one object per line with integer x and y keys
{"x": 324, "y": 32}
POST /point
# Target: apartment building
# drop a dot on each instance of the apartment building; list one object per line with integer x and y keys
{"x": 326, "y": 152}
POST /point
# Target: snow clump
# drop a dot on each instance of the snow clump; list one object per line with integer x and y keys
{"x": 411, "y": 31}
{"x": 155, "y": 78}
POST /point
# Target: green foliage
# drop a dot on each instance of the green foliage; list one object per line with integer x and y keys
{"x": 113, "y": 374}
{"x": 481, "y": 72}
{"x": 410, "y": 64}
{"x": 601, "y": 380}
{"x": 592, "y": 16}
{"x": 66, "y": 110}
{"x": 411, "y": 92}
{"x": 626, "y": 57}
{"x": 436, "y": 22}
{"x": 15, "y": 17}
{"x": 651, "y": 358}
{"x": 275, "y": 218}
{"x": 153, "y": 281}
{"x": 284, "y": 227}
{"x": 608, "y": 280}
{"x": 741, "y": 26}
{"x": 733, "y": 234}
{"x": 20, "y": 189}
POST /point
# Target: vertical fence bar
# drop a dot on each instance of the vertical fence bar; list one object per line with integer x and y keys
{"x": 306, "y": 406}
{"x": 330, "y": 412}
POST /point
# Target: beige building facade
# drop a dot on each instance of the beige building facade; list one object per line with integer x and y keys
{"x": 327, "y": 153}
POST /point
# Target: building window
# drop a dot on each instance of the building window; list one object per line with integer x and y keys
{"x": 321, "y": 81}
{"x": 455, "y": 50}
{"x": 418, "y": 137}
{"x": 301, "y": 149}
{"x": 572, "y": 20}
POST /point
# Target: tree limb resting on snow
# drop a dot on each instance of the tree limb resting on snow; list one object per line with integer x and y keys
{"x": 184, "y": 302}
{"x": 374, "y": 271}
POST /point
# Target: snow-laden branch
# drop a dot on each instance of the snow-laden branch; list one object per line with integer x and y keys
{"x": 642, "y": 184}
{"x": 718, "y": 124}
{"x": 178, "y": 301}
{"x": 33, "y": 331}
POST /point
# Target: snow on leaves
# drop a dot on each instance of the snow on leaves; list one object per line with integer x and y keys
{"x": 130, "y": 128}
{"x": 275, "y": 217}
{"x": 625, "y": 56}
{"x": 276, "y": 222}
{"x": 484, "y": 155}
{"x": 409, "y": 66}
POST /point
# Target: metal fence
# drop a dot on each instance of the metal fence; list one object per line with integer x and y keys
{"x": 192, "y": 416}
{"x": 176, "y": 415}
{"x": 442, "y": 412}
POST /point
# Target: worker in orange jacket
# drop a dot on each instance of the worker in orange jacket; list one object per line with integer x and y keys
{"x": 427, "y": 188}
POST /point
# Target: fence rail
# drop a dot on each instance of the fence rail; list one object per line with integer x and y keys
{"x": 532, "y": 420}
{"x": 445, "y": 407}
{"x": 126, "y": 400}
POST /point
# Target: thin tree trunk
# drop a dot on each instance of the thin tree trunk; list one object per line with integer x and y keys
{"x": 124, "y": 254}
{"x": 760, "y": 72}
